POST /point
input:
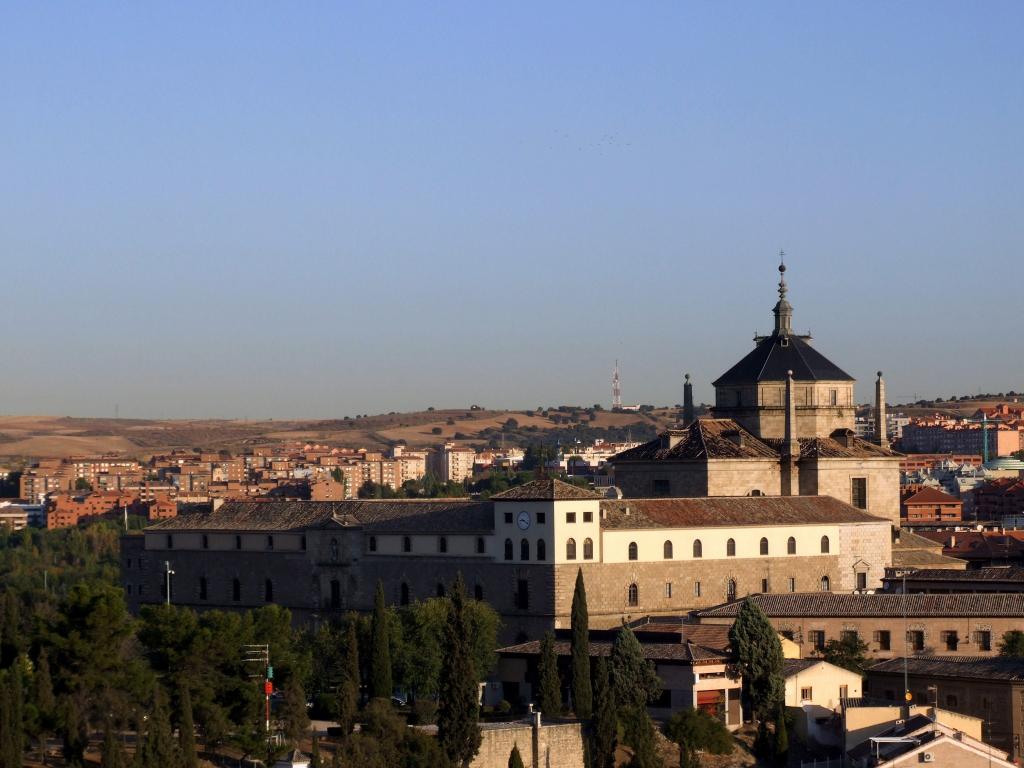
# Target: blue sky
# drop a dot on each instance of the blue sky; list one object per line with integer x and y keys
{"x": 313, "y": 210}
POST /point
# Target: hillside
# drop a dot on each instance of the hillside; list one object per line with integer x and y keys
{"x": 24, "y": 438}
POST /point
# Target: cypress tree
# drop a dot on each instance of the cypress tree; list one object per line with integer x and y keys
{"x": 458, "y": 731}
{"x": 111, "y": 755}
{"x": 632, "y": 676}
{"x": 759, "y": 658}
{"x": 582, "y": 694}
{"x": 8, "y": 757}
{"x": 550, "y": 694}
{"x": 17, "y": 736}
{"x": 73, "y": 732}
{"x": 781, "y": 737}
{"x": 158, "y": 749}
{"x": 42, "y": 688}
{"x": 314, "y": 756}
{"x": 380, "y": 660}
{"x": 293, "y": 711}
{"x": 348, "y": 688}
{"x": 187, "y": 730}
{"x": 604, "y": 725}
{"x": 515, "y": 760}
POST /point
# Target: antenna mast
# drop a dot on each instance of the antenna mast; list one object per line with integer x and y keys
{"x": 616, "y": 389}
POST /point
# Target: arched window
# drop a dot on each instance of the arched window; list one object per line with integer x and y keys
{"x": 335, "y": 593}
{"x": 826, "y": 585}
{"x": 730, "y": 548}
{"x": 508, "y": 549}
{"x": 588, "y": 549}
{"x": 478, "y": 592}
{"x": 570, "y": 549}
{"x": 667, "y": 550}
{"x": 236, "y": 590}
{"x": 633, "y": 598}
{"x": 334, "y": 550}
{"x": 403, "y": 594}
{"x": 698, "y": 548}
{"x": 268, "y": 591}
{"x": 524, "y": 549}
{"x": 440, "y": 589}
{"x": 542, "y": 550}
{"x": 202, "y": 587}
{"x": 824, "y": 545}
{"x": 442, "y": 544}
{"x": 633, "y": 552}
{"x": 757, "y": 492}
{"x": 373, "y": 543}
{"x": 730, "y": 589}
{"x": 481, "y": 547}
{"x": 406, "y": 544}
{"x": 791, "y": 546}
{"x": 764, "y": 546}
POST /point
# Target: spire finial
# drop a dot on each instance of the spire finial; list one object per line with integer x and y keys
{"x": 782, "y": 274}
{"x": 783, "y": 311}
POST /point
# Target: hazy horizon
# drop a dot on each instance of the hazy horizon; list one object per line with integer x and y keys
{"x": 217, "y": 212}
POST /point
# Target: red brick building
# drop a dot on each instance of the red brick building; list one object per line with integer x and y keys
{"x": 1001, "y": 497}
{"x": 930, "y": 505}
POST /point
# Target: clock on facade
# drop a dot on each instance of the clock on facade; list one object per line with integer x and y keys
{"x": 523, "y": 521}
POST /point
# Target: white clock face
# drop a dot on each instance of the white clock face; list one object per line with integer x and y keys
{"x": 523, "y": 521}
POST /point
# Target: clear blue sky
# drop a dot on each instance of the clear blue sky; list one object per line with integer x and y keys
{"x": 313, "y": 210}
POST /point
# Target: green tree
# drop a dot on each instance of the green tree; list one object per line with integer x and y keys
{"x": 605, "y": 725}
{"x": 42, "y": 689}
{"x": 81, "y": 484}
{"x": 1012, "y": 643}
{"x": 186, "y": 728}
{"x": 695, "y": 729}
{"x": 759, "y": 659}
{"x": 550, "y": 694}
{"x": 314, "y": 755}
{"x": 380, "y": 660}
{"x": 294, "y": 718}
{"x": 638, "y": 732}
{"x": 582, "y": 694}
{"x": 849, "y": 652}
{"x": 632, "y": 676}
{"x": 158, "y": 749}
{"x": 111, "y": 754}
{"x": 515, "y": 760}
{"x": 73, "y": 731}
{"x": 781, "y": 737}
{"x": 348, "y": 689}
{"x": 458, "y": 729}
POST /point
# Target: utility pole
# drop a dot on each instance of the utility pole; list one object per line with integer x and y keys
{"x": 261, "y": 654}
{"x": 167, "y": 575}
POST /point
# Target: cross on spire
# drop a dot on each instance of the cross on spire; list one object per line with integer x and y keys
{"x": 783, "y": 310}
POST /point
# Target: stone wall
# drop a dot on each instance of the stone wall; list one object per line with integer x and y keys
{"x": 552, "y": 745}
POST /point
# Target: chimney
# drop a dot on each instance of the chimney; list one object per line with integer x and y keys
{"x": 791, "y": 446}
{"x": 688, "y": 413}
{"x": 880, "y": 426}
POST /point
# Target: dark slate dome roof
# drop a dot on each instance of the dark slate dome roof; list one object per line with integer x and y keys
{"x": 775, "y": 355}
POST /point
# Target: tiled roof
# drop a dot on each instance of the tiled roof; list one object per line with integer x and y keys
{"x": 929, "y": 495}
{"x": 924, "y": 558}
{"x": 1008, "y": 574}
{"x": 792, "y": 667}
{"x": 719, "y": 511}
{"x": 972, "y": 667}
{"x": 546, "y": 489}
{"x": 836, "y": 605}
{"x": 726, "y": 439}
{"x": 775, "y": 355}
{"x": 679, "y": 652}
{"x": 400, "y": 515}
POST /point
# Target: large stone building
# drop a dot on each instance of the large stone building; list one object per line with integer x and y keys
{"x": 783, "y": 425}
{"x": 520, "y": 551}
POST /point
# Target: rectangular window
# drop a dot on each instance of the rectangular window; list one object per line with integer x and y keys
{"x": 859, "y": 492}
{"x": 570, "y": 517}
{"x": 844, "y": 692}
{"x": 661, "y": 487}
{"x": 523, "y": 594}
{"x": 833, "y": 397}
{"x": 696, "y": 589}
{"x": 806, "y": 694}
{"x": 951, "y": 639}
{"x": 792, "y": 584}
{"x": 915, "y": 639}
{"x": 862, "y": 581}
{"x": 542, "y": 518}
{"x": 764, "y": 585}
{"x": 983, "y": 639}
{"x": 508, "y": 518}
{"x": 668, "y": 589}
{"x": 588, "y": 517}
{"x": 816, "y": 637}
{"x": 848, "y": 635}
{"x": 883, "y": 638}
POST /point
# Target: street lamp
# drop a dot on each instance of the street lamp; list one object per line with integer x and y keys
{"x": 167, "y": 575}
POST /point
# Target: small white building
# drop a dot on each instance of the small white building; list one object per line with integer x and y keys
{"x": 817, "y": 689}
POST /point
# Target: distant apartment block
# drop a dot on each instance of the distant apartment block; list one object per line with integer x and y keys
{"x": 945, "y": 435}
{"x": 450, "y": 463}
{"x": 930, "y": 505}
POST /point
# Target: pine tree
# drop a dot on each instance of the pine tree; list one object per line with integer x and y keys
{"x": 293, "y": 711}
{"x": 515, "y": 760}
{"x": 187, "y": 730}
{"x": 550, "y": 694}
{"x": 604, "y": 725}
{"x": 582, "y": 694}
{"x": 73, "y": 731}
{"x": 111, "y": 756}
{"x": 759, "y": 658}
{"x": 380, "y": 660}
{"x": 17, "y": 724}
{"x": 8, "y": 757}
{"x": 458, "y": 731}
{"x": 348, "y": 688}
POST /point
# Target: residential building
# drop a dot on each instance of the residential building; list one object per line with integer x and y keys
{"x": 814, "y": 693}
{"x": 929, "y": 506}
{"x": 911, "y": 552}
{"x": 999, "y": 498}
{"x": 452, "y": 463}
{"x": 890, "y": 625}
{"x": 941, "y": 434}
{"x": 981, "y": 549}
{"x": 991, "y": 689}
{"x": 922, "y": 739}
